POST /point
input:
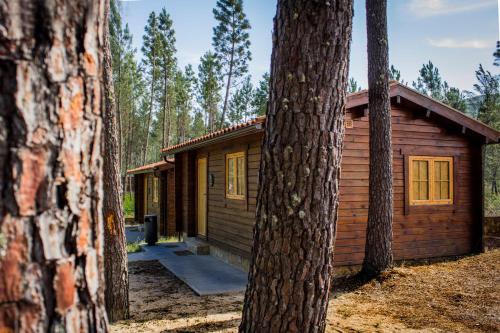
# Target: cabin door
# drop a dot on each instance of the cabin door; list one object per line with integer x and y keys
{"x": 202, "y": 197}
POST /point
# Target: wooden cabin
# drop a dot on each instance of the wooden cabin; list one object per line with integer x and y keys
{"x": 437, "y": 182}
{"x": 154, "y": 194}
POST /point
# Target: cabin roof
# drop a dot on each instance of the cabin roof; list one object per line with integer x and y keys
{"x": 161, "y": 165}
{"x": 425, "y": 105}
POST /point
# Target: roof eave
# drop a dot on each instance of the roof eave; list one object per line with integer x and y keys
{"x": 252, "y": 129}
{"x": 468, "y": 123}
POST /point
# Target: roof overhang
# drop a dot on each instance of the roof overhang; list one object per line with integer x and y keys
{"x": 359, "y": 100}
{"x": 150, "y": 168}
{"x": 431, "y": 106}
{"x": 249, "y": 128}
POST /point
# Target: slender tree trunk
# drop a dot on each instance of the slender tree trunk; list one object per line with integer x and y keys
{"x": 292, "y": 254}
{"x": 115, "y": 253}
{"x": 164, "y": 125}
{"x": 150, "y": 115}
{"x": 378, "y": 249}
{"x": 119, "y": 110}
{"x": 128, "y": 138}
{"x": 51, "y": 245}
{"x": 228, "y": 88}
{"x": 167, "y": 121}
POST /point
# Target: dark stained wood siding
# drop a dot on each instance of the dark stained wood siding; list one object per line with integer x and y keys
{"x": 229, "y": 221}
{"x": 422, "y": 232}
{"x": 427, "y": 231}
{"x": 170, "y": 198}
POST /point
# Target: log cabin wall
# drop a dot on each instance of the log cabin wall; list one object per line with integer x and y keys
{"x": 170, "y": 198}
{"x": 139, "y": 198}
{"x": 419, "y": 232}
{"x": 230, "y": 221}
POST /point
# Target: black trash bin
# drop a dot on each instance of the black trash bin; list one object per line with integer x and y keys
{"x": 151, "y": 229}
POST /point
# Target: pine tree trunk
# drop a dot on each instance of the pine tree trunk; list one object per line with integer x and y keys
{"x": 150, "y": 115}
{"x": 228, "y": 88}
{"x": 119, "y": 113}
{"x": 292, "y": 255}
{"x": 378, "y": 249}
{"x": 115, "y": 253}
{"x": 51, "y": 227}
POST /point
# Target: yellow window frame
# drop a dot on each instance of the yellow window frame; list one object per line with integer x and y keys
{"x": 431, "y": 160}
{"x": 234, "y": 181}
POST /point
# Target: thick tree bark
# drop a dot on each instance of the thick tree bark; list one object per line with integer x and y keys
{"x": 378, "y": 249}
{"x": 115, "y": 253}
{"x": 51, "y": 244}
{"x": 292, "y": 255}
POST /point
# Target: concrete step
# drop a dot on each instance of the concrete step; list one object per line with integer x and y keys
{"x": 197, "y": 246}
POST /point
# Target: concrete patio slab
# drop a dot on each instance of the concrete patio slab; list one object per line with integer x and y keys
{"x": 204, "y": 274}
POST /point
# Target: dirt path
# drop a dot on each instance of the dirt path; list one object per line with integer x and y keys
{"x": 455, "y": 296}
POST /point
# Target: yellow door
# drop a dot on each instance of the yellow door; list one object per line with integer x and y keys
{"x": 202, "y": 196}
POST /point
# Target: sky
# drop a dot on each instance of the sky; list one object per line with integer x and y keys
{"x": 456, "y": 35}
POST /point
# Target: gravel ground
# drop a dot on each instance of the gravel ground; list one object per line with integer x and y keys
{"x": 455, "y": 296}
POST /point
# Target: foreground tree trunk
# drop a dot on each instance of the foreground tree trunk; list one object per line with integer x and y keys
{"x": 51, "y": 242}
{"x": 292, "y": 255}
{"x": 115, "y": 252}
{"x": 378, "y": 249}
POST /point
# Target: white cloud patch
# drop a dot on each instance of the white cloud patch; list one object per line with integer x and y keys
{"x": 450, "y": 43}
{"x": 426, "y": 8}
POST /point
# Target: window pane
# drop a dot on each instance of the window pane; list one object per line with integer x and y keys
{"x": 240, "y": 169}
{"x": 437, "y": 190}
{"x": 416, "y": 190}
{"x": 445, "y": 190}
{"x": 415, "y": 170}
{"x": 423, "y": 170}
{"x": 437, "y": 171}
{"x": 445, "y": 170}
{"x": 424, "y": 190}
{"x": 230, "y": 176}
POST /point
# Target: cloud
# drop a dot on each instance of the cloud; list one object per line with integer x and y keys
{"x": 450, "y": 43}
{"x": 426, "y": 8}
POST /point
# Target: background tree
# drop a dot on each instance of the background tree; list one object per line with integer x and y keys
{"x": 297, "y": 202}
{"x": 198, "y": 127}
{"x": 488, "y": 89}
{"x": 151, "y": 50}
{"x": 184, "y": 84}
{"x": 431, "y": 83}
{"x": 454, "y": 97}
{"x": 497, "y": 55}
{"x": 168, "y": 65}
{"x": 209, "y": 88}
{"x": 240, "y": 108}
{"x": 231, "y": 44}
{"x": 115, "y": 253}
{"x": 261, "y": 96}
{"x": 51, "y": 244}
{"x": 395, "y": 75}
{"x": 378, "y": 247}
{"x": 353, "y": 86}
{"x": 119, "y": 40}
